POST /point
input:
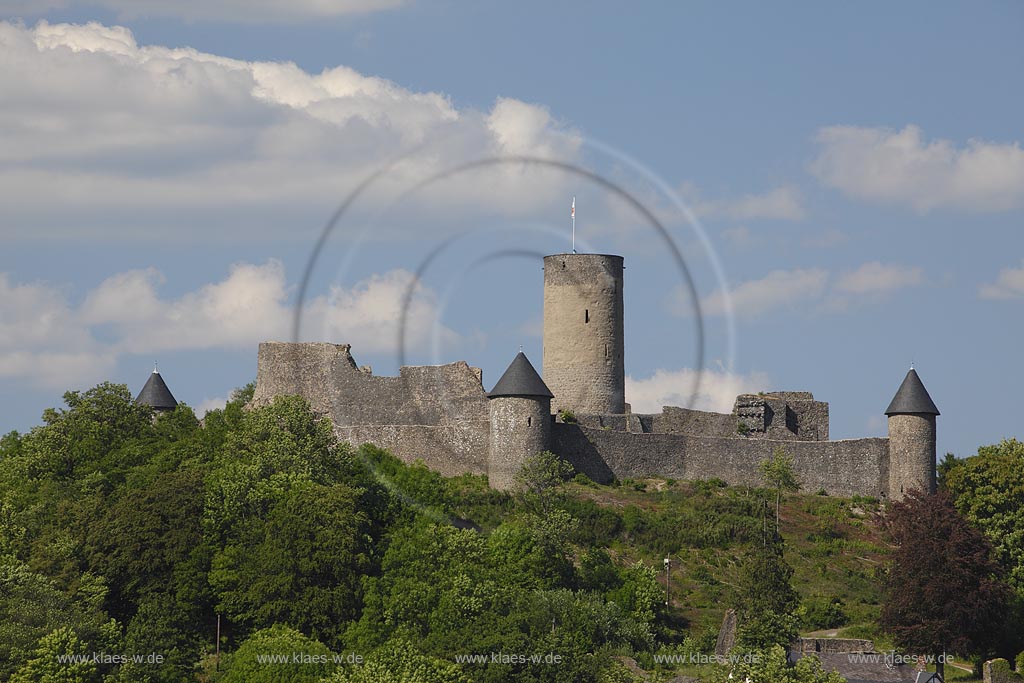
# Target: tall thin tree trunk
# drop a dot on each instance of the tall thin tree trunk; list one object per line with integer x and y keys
{"x": 778, "y": 501}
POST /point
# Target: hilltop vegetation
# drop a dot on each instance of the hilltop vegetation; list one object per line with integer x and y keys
{"x": 124, "y": 535}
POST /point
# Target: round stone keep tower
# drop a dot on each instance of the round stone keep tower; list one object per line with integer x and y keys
{"x": 520, "y": 410}
{"x": 583, "y": 333}
{"x": 912, "y": 416}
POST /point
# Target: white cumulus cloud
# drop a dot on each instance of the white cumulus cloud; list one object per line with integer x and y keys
{"x": 100, "y": 135}
{"x": 903, "y": 167}
{"x": 712, "y": 389}
{"x": 48, "y": 341}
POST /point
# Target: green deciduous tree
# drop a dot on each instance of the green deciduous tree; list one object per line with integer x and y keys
{"x": 539, "y": 479}
{"x": 271, "y": 449}
{"x": 778, "y": 474}
{"x": 299, "y": 566}
{"x": 250, "y": 663}
{"x": 46, "y": 666}
{"x": 145, "y": 536}
{"x": 399, "y": 661}
{"x": 988, "y": 489}
{"x": 31, "y": 607}
{"x": 768, "y": 602}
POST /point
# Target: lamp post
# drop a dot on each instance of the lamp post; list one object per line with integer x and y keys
{"x": 668, "y": 564}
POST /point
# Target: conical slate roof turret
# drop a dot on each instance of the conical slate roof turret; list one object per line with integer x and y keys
{"x": 155, "y": 394}
{"x": 520, "y": 379}
{"x": 912, "y": 398}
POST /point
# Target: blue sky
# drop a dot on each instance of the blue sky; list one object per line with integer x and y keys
{"x": 853, "y": 176}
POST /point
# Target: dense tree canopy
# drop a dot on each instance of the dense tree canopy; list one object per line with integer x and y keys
{"x": 122, "y": 532}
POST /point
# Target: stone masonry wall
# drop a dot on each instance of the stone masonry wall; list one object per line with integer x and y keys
{"x": 673, "y": 420}
{"x": 912, "y": 442}
{"x": 520, "y": 429}
{"x": 437, "y": 414}
{"x": 584, "y": 348}
{"x": 451, "y": 450}
{"x": 849, "y": 467}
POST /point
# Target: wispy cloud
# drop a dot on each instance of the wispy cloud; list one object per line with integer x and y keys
{"x": 1008, "y": 285}
{"x": 779, "y": 203}
{"x": 875, "y": 277}
{"x": 241, "y": 11}
{"x": 778, "y": 289}
{"x": 814, "y": 289}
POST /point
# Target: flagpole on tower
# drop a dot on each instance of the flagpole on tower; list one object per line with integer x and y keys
{"x": 573, "y": 214}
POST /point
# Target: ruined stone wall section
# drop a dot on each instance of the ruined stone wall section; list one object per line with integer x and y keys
{"x": 436, "y": 414}
{"x": 783, "y": 416}
{"x": 845, "y": 468}
{"x": 327, "y": 376}
{"x": 673, "y": 420}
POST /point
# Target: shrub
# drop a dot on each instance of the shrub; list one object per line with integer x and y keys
{"x": 583, "y": 480}
{"x": 822, "y": 613}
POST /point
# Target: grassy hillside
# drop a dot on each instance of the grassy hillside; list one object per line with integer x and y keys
{"x": 832, "y": 543}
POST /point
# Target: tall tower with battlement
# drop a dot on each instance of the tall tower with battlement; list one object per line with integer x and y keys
{"x": 911, "y": 438}
{"x": 584, "y": 349}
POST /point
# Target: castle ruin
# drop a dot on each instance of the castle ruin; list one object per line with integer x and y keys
{"x": 442, "y": 416}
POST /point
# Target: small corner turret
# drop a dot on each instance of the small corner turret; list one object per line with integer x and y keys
{"x": 520, "y": 416}
{"x": 911, "y": 416}
{"x": 156, "y": 395}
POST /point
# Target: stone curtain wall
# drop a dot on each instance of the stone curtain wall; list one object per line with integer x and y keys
{"x": 846, "y": 468}
{"x": 673, "y": 420}
{"x": 440, "y": 416}
{"x": 448, "y": 449}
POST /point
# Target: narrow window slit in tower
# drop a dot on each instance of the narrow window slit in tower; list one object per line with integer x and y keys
{"x": 586, "y": 315}
{"x": 605, "y": 350}
{"x": 529, "y": 422}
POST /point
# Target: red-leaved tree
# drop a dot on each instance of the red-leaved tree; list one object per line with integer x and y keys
{"x": 944, "y": 592}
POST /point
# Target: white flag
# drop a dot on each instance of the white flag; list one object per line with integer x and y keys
{"x": 572, "y": 213}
